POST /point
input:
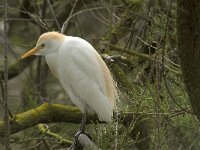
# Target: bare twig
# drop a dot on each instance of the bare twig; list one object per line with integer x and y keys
{"x": 161, "y": 72}
{"x": 2, "y": 91}
{"x": 145, "y": 43}
{"x": 5, "y": 98}
{"x": 39, "y": 22}
{"x": 26, "y": 19}
{"x": 54, "y": 15}
{"x": 46, "y": 144}
{"x": 65, "y": 24}
{"x": 78, "y": 13}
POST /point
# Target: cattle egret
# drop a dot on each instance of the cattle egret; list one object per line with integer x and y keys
{"x": 81, "y": 71}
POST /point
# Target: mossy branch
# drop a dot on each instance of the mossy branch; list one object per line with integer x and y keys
{"x": 45, "y": 113}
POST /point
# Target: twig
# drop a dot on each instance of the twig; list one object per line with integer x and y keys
{"x": 24, "y": 19}
{"x": 145, "y": 43}
{"x": 44, "y": 130}
{"x": 39, "y": 22}
{"x": 158, "y": 102}
{"x": 33, "y": 147}
{"x": 102, "y": 20}
{"x": 5, "y": 89}
{"x": 65, "y": 24}
{"x": 78, "y": 13}
{"x": 2, "y": 91}
{"x": 54, "y": 15}
{"x": 47, "y": 145}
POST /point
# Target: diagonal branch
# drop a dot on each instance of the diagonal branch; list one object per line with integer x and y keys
{"x": 45, "y": 113}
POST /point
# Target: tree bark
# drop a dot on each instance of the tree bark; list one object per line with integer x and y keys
{"x": 188, "y": 35}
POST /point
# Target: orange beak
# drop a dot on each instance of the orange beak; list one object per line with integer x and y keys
{"x": 29, "y": 53}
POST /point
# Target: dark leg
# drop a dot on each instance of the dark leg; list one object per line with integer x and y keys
{"x": 81, "y": 130}
{"x": 76, "y": 145}
{"x": 82, "y": 127}
{"x": 83, "y": 122}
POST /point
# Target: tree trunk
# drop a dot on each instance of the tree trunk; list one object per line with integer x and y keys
{"x": 188, "y": 34}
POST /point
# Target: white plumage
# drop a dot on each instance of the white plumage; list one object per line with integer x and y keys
{"x": 81, "y": 71}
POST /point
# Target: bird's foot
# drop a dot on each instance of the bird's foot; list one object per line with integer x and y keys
{"x": 78, "y": 133}
{"x": 76, "y": 142}
{"x": 81, "y": 132}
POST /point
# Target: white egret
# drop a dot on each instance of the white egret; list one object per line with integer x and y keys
{"x": 81, "y": 71}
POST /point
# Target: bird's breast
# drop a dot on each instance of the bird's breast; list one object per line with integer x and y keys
{"x": 52, "y": 61}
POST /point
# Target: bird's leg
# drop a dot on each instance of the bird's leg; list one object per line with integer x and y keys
{"x": 82, "y": 127}
{"x": 81, "y": 130}
{"x": 83, "y": 122}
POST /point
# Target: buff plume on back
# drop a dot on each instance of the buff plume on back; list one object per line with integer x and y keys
{"x": 110, "y": 83}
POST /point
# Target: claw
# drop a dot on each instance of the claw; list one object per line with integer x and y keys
{"x": 78, "y": 133}
{"x": 76, "y": 143}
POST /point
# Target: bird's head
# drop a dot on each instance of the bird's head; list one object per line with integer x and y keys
{"x": 47, "y": 43}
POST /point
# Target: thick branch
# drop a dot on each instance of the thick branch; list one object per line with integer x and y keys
{"x": 45, "y": 113}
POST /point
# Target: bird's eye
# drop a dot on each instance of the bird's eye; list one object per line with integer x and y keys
{"x": 42, "y": 45}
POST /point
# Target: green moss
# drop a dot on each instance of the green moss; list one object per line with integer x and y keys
{"x": 47, "y": 132}
{"x": 121, "y": 76}
{"x": 45, "y": 113}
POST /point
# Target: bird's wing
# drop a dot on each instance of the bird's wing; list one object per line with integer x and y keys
{"x": 83, "y": 78}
